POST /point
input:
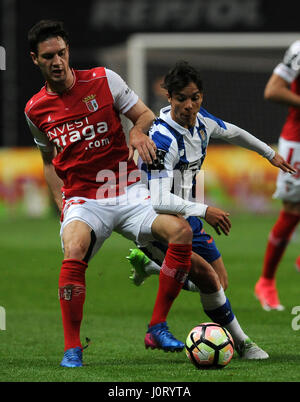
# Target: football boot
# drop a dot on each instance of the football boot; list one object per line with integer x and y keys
{"x": 159, "y": 337}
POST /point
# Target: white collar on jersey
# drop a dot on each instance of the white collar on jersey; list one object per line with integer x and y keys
{"x": 165, "y": 115}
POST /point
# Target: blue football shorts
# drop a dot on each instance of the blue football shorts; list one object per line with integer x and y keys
{"x": 203, "y": 244}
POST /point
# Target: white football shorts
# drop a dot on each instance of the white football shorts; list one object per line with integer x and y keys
{"x": 287, "y": 185}
{"x": 130, "y": 215}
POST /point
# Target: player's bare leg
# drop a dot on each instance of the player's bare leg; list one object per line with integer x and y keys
{"x": 203, "y": 275}
{"x": 219, "y": 268}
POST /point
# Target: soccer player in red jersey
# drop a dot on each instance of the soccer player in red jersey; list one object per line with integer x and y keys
{"x": 75, "y": 121}
{"x": 283, "y": 87}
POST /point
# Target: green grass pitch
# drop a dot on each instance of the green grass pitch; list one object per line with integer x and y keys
{"x": 116, "y": 312}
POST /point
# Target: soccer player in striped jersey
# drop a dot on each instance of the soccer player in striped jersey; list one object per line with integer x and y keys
{"x": 283, "y": 87}
{"x": 181, "y": 134}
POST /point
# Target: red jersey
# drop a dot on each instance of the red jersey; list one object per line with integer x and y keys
{"x": 291, "y": 128}
{"x": 289, "y": 70}
{"x": 84, "y": 125}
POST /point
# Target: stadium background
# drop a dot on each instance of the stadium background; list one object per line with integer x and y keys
{"x": 99, "y": 29}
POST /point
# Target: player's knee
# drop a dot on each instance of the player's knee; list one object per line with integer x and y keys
{"x": 172, "y": 229}
{"x": 292, "y": 207}
{"x": 76, "y": 249}
{"x": 76, "y": 240}
{"x": 182, "y": 234}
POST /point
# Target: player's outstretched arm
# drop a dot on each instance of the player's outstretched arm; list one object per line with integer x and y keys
{"x": 237, "y": 136}
{"x": 142, "y": 118}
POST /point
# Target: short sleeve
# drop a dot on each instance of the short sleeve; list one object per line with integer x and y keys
{"x": 40, "y": 138}
{"x": 124, "y": 97}
{"x": 289, "y": 68}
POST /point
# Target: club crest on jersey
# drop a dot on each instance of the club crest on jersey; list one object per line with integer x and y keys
{"x": 91, "y": 103}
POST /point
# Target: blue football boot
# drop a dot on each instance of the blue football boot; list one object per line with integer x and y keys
{"x": 72, "y": 357}
{"x": 159, "y": 337}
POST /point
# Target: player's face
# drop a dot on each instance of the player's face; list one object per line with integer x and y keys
{"x": 53, "y": 59}
{"x": 185, "y": 105}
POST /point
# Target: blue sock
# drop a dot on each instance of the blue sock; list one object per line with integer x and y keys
{"x": 222, "y": 315}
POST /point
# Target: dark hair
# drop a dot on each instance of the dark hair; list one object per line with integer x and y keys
{"x": 46, "y": 29}
{"x": 180, "y": 76}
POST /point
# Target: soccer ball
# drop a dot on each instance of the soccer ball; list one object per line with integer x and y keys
{"x": 209, "y": 345}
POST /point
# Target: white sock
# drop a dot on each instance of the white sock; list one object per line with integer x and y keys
{"x": 238, "y": 335}
{"x": 211, "y": 301}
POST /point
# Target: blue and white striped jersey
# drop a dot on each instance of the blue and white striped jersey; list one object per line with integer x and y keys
{"x": 185, "y": 148}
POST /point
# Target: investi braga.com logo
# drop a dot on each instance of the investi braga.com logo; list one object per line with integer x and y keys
{"x": 2, "y": 58}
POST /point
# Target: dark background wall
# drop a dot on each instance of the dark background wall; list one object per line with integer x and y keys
{"x": 101, "y": 23}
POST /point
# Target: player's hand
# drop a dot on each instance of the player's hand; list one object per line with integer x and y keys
{"x": 143, "y": 144}
{"x": 218, "y": 219}
{"x": 282, "y": 164}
